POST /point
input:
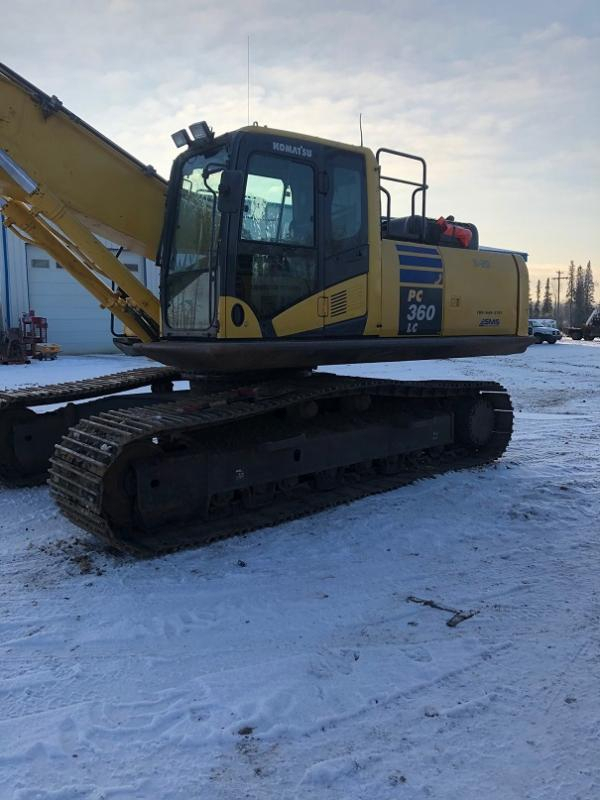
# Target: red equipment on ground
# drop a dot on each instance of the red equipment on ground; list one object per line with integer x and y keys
{"x": 34, "y": 337}
{"x": 35, "y": 331}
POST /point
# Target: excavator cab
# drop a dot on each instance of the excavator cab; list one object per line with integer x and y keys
{"x": 258, "y": 225}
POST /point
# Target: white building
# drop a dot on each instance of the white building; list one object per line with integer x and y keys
{"x": 31, "y": 279}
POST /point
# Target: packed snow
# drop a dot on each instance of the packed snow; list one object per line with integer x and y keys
{"x": 290, "y": 663}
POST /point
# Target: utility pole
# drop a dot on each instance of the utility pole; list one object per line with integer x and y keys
{"x": 560, "y": 276}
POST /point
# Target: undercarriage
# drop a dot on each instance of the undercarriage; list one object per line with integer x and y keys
{"x": 221, "y": 462}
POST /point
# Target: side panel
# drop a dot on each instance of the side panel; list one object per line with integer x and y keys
{"x": 303, "y": 317}
{"x": 342, "y": 302}
{"x": 482, "y": 293}
{"x": 237, "y": 320}
{"x": 431, "y": 291}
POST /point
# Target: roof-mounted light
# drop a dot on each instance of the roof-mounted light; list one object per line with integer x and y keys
{"x": 201, "y": 132}
{"x": 181, "y": 138}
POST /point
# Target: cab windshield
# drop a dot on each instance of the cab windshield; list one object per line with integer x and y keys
{"x": 191, "y": 281}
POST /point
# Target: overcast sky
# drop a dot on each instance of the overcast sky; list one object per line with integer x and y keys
{"x": 502, "y": 99}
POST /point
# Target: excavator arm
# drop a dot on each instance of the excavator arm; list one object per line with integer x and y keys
{"x": 63, "y": 184}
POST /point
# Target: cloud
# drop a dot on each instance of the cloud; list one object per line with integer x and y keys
{"x": 501, "y": 101}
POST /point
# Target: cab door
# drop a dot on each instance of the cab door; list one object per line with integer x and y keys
{"x": 275, "y": 275}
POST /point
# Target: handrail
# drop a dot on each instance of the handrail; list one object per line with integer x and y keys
{"x": 420, "y": 187}
{"x": 388, "y": 198}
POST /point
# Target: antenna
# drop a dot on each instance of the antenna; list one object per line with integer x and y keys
{"x": 248, "y": 79}
{"x": 360, "y": 126}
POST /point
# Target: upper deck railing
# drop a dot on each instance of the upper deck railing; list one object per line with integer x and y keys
{"x": 420, "y": 187}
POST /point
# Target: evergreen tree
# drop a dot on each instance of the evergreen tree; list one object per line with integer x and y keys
{"x": 579, "y": 315}
{"x": 536, "y": 305}
{"x": 588, "y": 290}
{"x": 547, "y": 304}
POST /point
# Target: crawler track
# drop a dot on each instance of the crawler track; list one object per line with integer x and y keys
{"x": 26, "y": 437}
{"x": 162, "y": 478}
{"x": 81, "y": 390}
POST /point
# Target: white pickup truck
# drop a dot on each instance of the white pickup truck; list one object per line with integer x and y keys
{"x": 544, "y": 330}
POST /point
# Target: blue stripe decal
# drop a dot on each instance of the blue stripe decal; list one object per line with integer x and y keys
{"x": 420, "y": 276}
{"x": 420, "y": 261}
{"x": 410, "y": 248}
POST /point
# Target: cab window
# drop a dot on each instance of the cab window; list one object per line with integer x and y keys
{"x": 279, "y": 203}
{"x": 347, "y": 211}
{"x": 277, "y": 258}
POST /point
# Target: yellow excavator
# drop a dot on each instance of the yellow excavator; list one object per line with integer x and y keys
{"x": 279, "y": 253}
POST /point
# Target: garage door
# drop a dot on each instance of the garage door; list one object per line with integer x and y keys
{"x": 75, "y": 320}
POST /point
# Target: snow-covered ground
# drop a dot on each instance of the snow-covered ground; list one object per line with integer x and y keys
{"x": 290, "y": 664}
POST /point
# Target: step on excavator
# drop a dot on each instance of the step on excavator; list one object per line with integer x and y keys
{"x": 279, "y": 255}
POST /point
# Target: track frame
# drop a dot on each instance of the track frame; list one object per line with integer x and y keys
{"x": 158, "y": 479}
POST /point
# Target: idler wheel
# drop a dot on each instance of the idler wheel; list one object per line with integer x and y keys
{"x": 474, "y": 421}
{"x": 119, "y": 494}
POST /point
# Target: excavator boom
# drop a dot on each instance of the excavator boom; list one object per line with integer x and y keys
{"x": 112, "y": 193}
{"x": 63, "y": 184}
